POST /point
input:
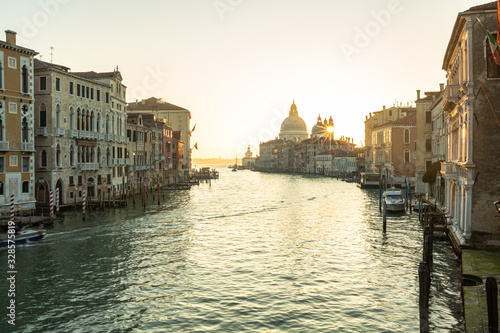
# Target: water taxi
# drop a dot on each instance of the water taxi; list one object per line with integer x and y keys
{"x": 394, "y": 201}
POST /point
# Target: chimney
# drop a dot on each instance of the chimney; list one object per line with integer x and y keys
{"x": 441, "y": 87}
{"x": 383, "y": 107}
{"x": 10, "y": 37}
{"x": 418, "y": 94}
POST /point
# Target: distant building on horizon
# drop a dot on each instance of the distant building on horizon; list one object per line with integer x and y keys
{"x": 248, "y": 161}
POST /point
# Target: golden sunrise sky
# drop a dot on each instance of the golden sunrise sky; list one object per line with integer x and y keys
{"x": 238, "y": 64}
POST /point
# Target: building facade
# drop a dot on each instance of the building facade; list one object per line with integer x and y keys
{"x": 17, "y": 158}
{"x": 80, "y": 124}
{"x": 424, "y": 136}
{"x": 470, "y": 171}
{"x": 178, "y": 118}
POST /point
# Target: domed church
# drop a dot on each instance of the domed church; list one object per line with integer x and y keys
{"x": 293, "y": 128}
{"x": 320, "y": 130}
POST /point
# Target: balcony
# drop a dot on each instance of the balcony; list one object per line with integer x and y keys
{"x": 73, "y": 133}
{"x": 451, "y": 97}
{"x": 110, "y": 137}
{"x": 101, "y": 136}
{"x": 58, "y": 131}
{"x": 41, "y": 131}
{"x": 4, "y": 145}
{"x": 88, "y": 166}
{"x": 27, "y": 146}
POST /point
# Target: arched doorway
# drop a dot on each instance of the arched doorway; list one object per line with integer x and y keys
{"x": 42, "y": 192}
{"x": 91, "y": 187}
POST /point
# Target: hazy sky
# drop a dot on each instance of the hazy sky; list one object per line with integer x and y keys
{"x": 238, "y": 64}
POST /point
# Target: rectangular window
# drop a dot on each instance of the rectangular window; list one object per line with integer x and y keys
{"x": 12, "y": 107}
{"x": 107, "y": 97}
{"x": 43, "y": 83}
{"x": 77, "y": 90}
{"x": 2, "y": 163}
{"x": 88, "y": 92}
{"x": 71, "y": 181}
{"x": 98, "y": 95}
{"x": 13, "y": 161}
{"x": 92, "y": 93}
{"x": 26, "y": 164}
{"x": 12, "y": 62}
{"x": 428, "y": 145}
{"x": 71, "y": 88}
{"x": 428, "y": 117}
{"x": 58, "y": 84}
{"x": 80, "y": 181}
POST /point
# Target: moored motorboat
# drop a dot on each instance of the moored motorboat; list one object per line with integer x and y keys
{"x": 394, "y": 201}
{"x": 23, "y": 236}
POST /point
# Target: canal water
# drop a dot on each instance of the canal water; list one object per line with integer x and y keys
{"x": 253, "y": 252}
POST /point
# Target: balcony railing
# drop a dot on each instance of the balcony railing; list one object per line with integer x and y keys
{"x": 58, "y": 131}
{"x": 110, "y": 137}
{"x": 4, "y": 145}
{"x": 73, "y": 133}
{"x": 88, "y": 166}
{"x": 41, "y": 131}
{"x": 27, "y": 146}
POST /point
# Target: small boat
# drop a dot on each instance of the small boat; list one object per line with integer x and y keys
{"x": 369, "y": 180}
{"x": 23, "y": 236}
{"x": 235, "y": 168}
{"x": 394, "y": 201}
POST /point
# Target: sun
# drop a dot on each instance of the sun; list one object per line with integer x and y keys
{"x": 329, "y": 129}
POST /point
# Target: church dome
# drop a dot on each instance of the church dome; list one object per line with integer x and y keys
{"x": 293, "y": 123}
{"x": 293, "y": 127}
{"x": 319, "y": 127}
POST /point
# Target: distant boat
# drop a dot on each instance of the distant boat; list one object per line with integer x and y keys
{"x": 369, "y": 180}
{"x": 394, "y": 201}
{"x": 235, "y": 168}
{"x": 23, "y": 236}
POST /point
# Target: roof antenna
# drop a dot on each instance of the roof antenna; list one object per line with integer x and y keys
{"x": 51, "y": 53}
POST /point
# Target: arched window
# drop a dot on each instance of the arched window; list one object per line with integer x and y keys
{"x": 78, "y": 115}
{"x": 26, "y": 187}
{"x": 406, "y": 136}
{"x": 107, "y": 124}
{"x": 71, "y": 156}
{"x": 25, "y": 134}
{"x": 42, "y": 115}
{"x": 58, "y": 116}
{"x": 71, "y": 118}
{"x": 407, "y": 156}
{"x": 92, "y": 119}
{"x": 43, "y": 158}
{"x": 99, "y": 155}
{"x": 25, "y": 79}
{"x": 98, "y": 125}
{"x": 108, "y": 157}
{"x": 58, "y": 156}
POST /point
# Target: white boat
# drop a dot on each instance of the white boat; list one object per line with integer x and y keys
{"x": 235, "y": 168}
{"x": 394, "y": 201}
{"x": 23, "y": 236}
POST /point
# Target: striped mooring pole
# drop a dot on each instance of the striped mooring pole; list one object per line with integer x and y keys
{"x": 51, "y": 198}
{"x": 12, "y": 207}
{"x": 84, "y": 205}
{"x": 57, "y": 200}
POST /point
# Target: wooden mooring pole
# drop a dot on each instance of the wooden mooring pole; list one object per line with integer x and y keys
{"x": 384, "y": 218}
{"x": 492, "y": 304}
{"x": 423, "y": 301}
